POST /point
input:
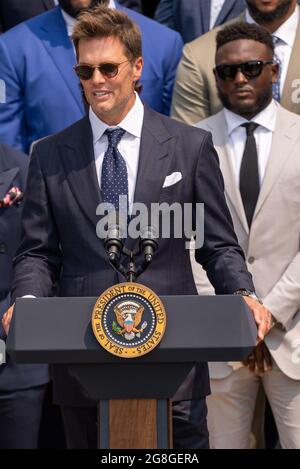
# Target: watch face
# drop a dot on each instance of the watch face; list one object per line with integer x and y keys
{"x": 252, "y": 294}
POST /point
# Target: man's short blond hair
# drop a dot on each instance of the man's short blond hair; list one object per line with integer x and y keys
{"x": 102, "y": 22}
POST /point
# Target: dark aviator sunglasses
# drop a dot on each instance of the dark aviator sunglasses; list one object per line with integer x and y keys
{"x": 108, "y": 70}
{"x": 251, "y": 69}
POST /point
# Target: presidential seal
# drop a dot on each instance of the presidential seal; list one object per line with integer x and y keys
{"x": 129, "y": 320}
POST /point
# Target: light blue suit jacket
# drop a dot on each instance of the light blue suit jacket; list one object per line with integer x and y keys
{"x": 42, "y": 91}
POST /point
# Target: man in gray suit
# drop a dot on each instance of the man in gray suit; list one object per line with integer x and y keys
{"x": 192, "y": 18}
{"x": 195, "y": 94}
{"x": 257, "y": 141}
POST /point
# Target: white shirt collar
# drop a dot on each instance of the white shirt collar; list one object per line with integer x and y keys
{"x": 266, "y": 118}
{"x": 287, "y": 31}
{"x": 70, "y": 21}
{"x": 132, "y": 122}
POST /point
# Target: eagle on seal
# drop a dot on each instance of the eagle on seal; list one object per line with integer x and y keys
{"x": 129, "y": 315}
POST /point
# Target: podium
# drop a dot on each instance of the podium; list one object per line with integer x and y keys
{"x": 133, "y": 395}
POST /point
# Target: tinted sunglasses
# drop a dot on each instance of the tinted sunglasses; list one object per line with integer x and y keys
{"x": 107, "y": 70}
{"x": 251, "y": 69}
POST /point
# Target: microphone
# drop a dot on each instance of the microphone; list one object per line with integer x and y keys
{"x": 113, "y": 243}
{"x": 148, "y": 242}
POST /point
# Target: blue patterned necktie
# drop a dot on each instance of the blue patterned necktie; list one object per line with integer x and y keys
{"x": 114, "y": 178}
{"x": 276, "y": 86}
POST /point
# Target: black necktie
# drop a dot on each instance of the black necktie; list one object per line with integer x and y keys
{"x": 249, "y": 178}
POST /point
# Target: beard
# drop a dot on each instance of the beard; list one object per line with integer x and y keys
{"x": 262, "y": 101}
{"x": 67, "y": 6}
{"x": 278, "y": 12}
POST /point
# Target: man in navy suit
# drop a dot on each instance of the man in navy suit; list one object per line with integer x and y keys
{"x": 192, "y": 18}
{"x": 22, "y": 387}
{"x": 70, "y": 175}
{"x": 42, "y": 90}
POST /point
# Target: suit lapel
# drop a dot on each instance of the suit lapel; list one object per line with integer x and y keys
{"x": 153, "y": 160}
{"x": 157, "y": 146}
{"x": 59, "y": 47}
{"x": 6, "y": 179}
{"x": 227, "y": 6}
{"x": 220, "y": 139}
{"x": 284, "y": 139}
{"x": 231, "y": 188}
{"x": 292, "y": 73}
{"x": 80, "y": 169}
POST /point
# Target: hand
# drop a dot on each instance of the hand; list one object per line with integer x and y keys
{"x": 7, "y": 319}
{"x": 259, "y": 360}
{"x": 262, "y": 317}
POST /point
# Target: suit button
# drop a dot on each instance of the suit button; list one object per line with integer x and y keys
{"x": 251, "y": 260}
{"x": 2, "y": 248}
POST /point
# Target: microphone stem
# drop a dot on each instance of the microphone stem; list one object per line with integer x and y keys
{"x": 131, "y": 272}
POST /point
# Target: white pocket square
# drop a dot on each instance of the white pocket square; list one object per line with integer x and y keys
{"x": 172, "y": 179}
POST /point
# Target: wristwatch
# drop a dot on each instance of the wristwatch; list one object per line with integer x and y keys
{"x": 250, "y": 293}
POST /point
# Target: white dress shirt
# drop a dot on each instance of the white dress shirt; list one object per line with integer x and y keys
{"x": 129, "y": 145}
{"x": 215, "y": 8}
{"x": 286, "y": 34}
{"x": 263, "y": 136}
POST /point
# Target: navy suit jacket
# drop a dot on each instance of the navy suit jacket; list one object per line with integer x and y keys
{"x": 191, "y": 18}
{"x": 64, "y": 190}
{"x": 13, "y": 12}
{"x": 42, "y": 90}
{"x": 13, "y": 172}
